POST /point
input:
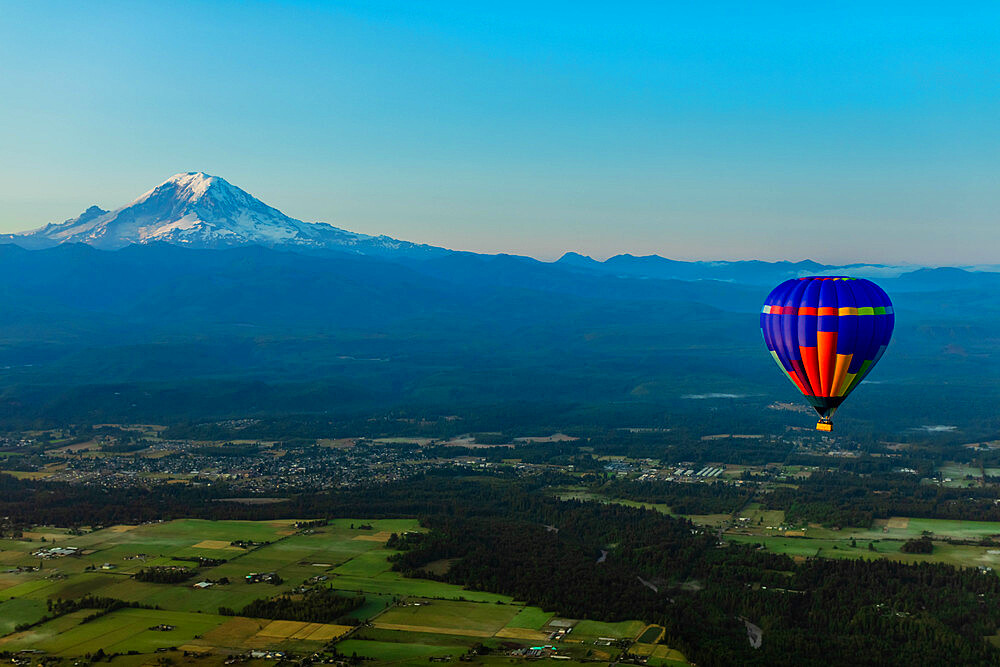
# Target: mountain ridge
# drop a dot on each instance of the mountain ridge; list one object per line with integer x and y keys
{"x": 201, "y": 211}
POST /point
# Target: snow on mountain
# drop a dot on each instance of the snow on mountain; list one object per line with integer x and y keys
{"x": 200, "y": 211}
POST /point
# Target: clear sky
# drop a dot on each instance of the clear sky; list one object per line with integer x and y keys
{"x": 835, "y": 131}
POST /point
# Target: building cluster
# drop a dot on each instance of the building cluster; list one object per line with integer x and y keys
{"x": 264, "y": 470}
{"x": 56, "y": 552}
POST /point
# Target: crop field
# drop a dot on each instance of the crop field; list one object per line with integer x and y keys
{"x": 532, "y": 618}
{"x": 15, "y": 612}
{"x": 708, "y": 519}
{"x": 760, "y": 518}
{"x": 959, "y": 474}
{"x": 468, "y": 618}
{"x": 963, "y": 530}
{"x": 121, "y": 631}
{"x": 595, "y": 629}
{"x": 660, "y": 655}
{"x": 807, "y": 547}
{"x": 393, "y": 583}
{"x": 396, "y": 651}
{"x": 409, "y": 619}
{"x": 574, "y": 494}
{"x": 887, "y": 541}
{"x": 416, "y": 637}
{"x": 904, "y": 528}
{"x": 651, "y": 634}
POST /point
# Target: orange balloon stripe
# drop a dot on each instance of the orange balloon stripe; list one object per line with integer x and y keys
{"x": 843, "y": 362}
{"x": 826, "y": 348}
{"x": 810, "y": 364}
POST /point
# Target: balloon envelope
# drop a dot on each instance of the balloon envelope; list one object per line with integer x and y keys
{"x": 826, "y": 333}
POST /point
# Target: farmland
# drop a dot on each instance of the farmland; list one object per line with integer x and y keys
{"x": 402, "y": 619}
{"x": 955, "y": 542}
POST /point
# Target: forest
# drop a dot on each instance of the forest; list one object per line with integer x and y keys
{"x": 839, "y": 499}
{"x": 317, "y": 605}
{"x": 164, "y": 574}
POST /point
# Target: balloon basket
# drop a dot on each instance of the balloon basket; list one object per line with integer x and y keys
{"x": 824, "y": 425}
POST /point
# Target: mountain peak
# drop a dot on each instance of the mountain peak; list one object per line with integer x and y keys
{"x": 576, "y": 259}
{"x": 196, "y": 183}
{"x": 93, "y": 211}
{"x": 192, "y": 186}
{"x": 198, "y": 210}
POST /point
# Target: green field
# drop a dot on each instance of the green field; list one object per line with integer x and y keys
{"x": 118, "y": 632}
{"x": 572, "y": 494}
{"x": 901, "y": 528}
{"x": 396, "y": 584}
{"x": 414, "y": 637}
{"x": 760, "y": 518}
{"x": 394, "y": 651}
{"x": 651, "y": 634}
{"x": 708, "y": 519}
{"x": 809, "y": 547}
{"x": 887, "y": 545}
{"x": 364, "y": 565}
{"x": 531, "y": 618}
{"x": 698, "y": 519}
{"x": 473, "y": 616}
{"x": 15, "y": 612}
{"x": 595, "y": 629}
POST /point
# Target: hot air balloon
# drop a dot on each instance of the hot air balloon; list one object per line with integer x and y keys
{"x": 827, "y": 333}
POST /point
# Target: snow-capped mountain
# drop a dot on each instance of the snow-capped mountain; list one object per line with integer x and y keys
{"x": 201, "y": 211}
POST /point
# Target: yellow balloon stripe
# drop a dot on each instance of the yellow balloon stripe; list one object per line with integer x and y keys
{"x": 858, "y": 377}
{"x": 840, "y": 372}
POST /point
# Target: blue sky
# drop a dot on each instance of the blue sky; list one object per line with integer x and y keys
{"x": 845, "y": 132}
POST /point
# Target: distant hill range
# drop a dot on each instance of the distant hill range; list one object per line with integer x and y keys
{"x": 196, "y": 210}
{"x": 198, "y": 300}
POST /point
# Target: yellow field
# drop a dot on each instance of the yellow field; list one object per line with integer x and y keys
{"x": 668, "y": 653}
{"x": 326, "y": 631}
{"x": 657, "y": 651}
{"x": 90, "y": 444}
{"x": 282, "y": 629}
{"x": 522, "y": 633}
{"x": 19, "y": 474}
{"x": 381, "y": 536}
{"x": 898, "y": 522}
{"x": 235, "y": 632}
{"x": 122, "y": 528}
{"x": 301, "y": 630}
{"x": 195, "y": 648}
{"x": 51, "y": 537}
{"x": 215, "y": 544}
